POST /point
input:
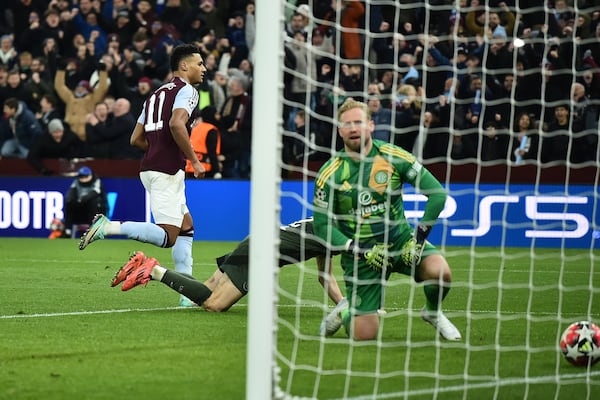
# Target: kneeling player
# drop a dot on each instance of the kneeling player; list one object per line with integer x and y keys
{"x": 229, "y": 283}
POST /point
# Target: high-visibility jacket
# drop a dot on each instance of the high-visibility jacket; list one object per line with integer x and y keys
{"x": 198, "y": 139}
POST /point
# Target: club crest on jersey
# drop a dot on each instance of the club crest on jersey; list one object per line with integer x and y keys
{"x": 381, "y": 177}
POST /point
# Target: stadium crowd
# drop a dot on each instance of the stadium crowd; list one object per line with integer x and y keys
{"x": 480, "y": 80}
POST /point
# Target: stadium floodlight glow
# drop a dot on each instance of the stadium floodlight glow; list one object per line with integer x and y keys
{"x": 518, "y": 42}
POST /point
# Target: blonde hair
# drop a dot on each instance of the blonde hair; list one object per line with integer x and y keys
{"x": 412, "y": 93}
{"x": 350, "y": 104}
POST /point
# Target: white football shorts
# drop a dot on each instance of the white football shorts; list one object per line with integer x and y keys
{"x": 167, "y": 196}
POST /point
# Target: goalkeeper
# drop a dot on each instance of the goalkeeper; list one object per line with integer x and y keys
{"x": 229, "y": 283}
{"x": 358, "y": 209}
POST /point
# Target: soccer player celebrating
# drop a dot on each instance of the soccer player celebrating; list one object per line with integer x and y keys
{"x": 358, "y": 209}
{"x": 229, "y": 283}
{"x": 162, "y": 132}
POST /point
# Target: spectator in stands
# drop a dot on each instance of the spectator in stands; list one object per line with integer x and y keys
{"x": 386, "y": 120}
{"x": 214, "y": 17}
{"x": 124, "y": 28}
{"x": 140, "y": 51}
{"x": 585, "y": 115}
{"x": 8, "y": 53}
{"x": 48, "y": 111}
{"x": 20, "y": 12}
{"x": 3, "y": 81}
{"x": 115, "y": 132}
{"x": 206, "y": 141}
{"x": 15, "y": 87}
{"x": 194, "y": 29}
{"x": 218, "y": 89}
{"x": 296, "y": 24}
{"x": 97, "y": 131}
{"x": 594, "y": 45}
{"x": 301, "y": 61}
{"x": 558, "y": 136}
{"x": 36, "y": 87}
{"x": 107, "y": 63}
{"x": 33, "y": 38}
{"x": 494, "y": 142}
{"x": 162, "y": 40}
{"x": 25, "y": 40}
{"x": 438, "y": 66}
{"x": 145, "y": 15}
{"x": 57, "y": 142}
{"x": 236, "y": 33}
{"x": 80, "y": 101}
{"x": 138, "y": 94}
{"x": 590, "y": 75}
{"x": 85, "y": 198}
{"x": 352, "y": 13}
{"x": 526, "y": 139}
{"x": 487, "y": 23}
{"x": 175, "y": 12}
{"x": 236, "y": 130}
{"x": 18, "y": 129}
{"x": 436, "y": 133}
{"x": 390, "y": 46}
{"x": 244, "y": 72}
{"x": 556, "y": 70}
{"x": 125, "y": 74}
{"x": 408, "y": 105}
{"x": 499, "y": 56}
{"x": 89, "y": 25}
{"x": 293, "y": 150}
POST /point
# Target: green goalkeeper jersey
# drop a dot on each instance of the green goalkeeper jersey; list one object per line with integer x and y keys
{"x": 362, "y": 199}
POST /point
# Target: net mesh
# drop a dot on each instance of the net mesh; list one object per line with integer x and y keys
{"x": 478, "y": 92}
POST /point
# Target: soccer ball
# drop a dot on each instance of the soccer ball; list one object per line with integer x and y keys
{"x": 580, "y": 343}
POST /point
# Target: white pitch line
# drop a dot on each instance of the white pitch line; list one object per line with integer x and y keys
{"x": 492, "y": 313}
{"x": 66, "y": 314}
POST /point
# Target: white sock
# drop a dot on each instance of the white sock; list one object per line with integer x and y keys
{"x": 145, "y": 232}
{"x": 182, "y": 254}
{"x": 112, "y": 228}
{"x": 158, "y": 272}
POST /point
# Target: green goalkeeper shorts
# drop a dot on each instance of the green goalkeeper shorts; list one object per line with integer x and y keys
{"x": 365, "y": 284}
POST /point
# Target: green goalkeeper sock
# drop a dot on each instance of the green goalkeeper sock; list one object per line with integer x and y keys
{"x": 432, "y": 294}
{"x": 346, "y": 318}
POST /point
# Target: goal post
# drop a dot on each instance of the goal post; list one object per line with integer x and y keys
{"x": 264, "y": 197}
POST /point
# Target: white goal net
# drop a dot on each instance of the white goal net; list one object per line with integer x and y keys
{"x": 500, "y": 101}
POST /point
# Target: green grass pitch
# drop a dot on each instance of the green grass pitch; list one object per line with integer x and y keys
{"x": 66, "y": 334}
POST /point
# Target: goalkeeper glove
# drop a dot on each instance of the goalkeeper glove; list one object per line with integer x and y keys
{"x": 378, "y": 257}
{"x": 375, "y": 257}
{"x": 412, "y": 251}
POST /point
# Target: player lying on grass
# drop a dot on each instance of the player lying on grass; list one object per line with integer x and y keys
{"x": 229, "y": 283}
